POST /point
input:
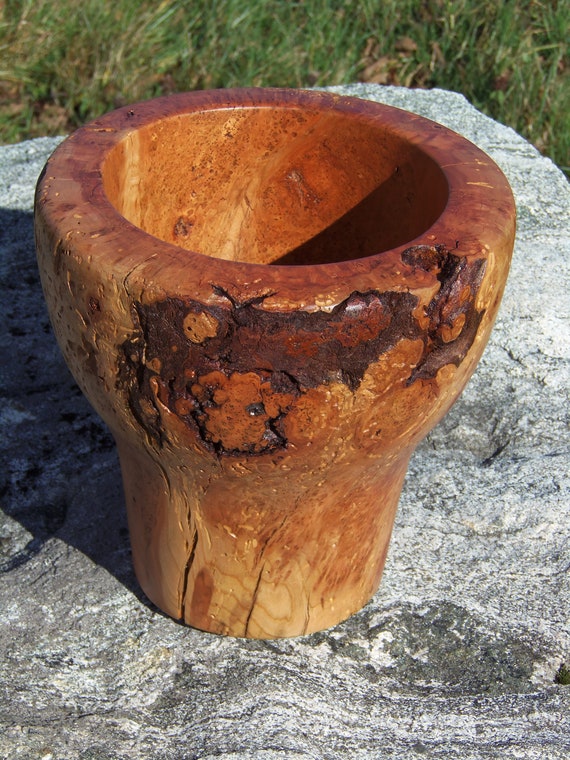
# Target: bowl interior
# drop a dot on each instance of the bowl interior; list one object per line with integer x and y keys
{"x": 275, "y": 185}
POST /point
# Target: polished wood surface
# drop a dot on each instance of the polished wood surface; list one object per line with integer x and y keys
{"x": 270, "y": 296}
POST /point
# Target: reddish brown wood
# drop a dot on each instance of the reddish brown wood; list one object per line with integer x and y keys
{"x": 270, "y": 297}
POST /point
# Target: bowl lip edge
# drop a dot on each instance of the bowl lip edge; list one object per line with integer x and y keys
{"x": 99, "y": 136}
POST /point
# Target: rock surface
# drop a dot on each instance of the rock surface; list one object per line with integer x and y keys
{"x": 457, "y": 655}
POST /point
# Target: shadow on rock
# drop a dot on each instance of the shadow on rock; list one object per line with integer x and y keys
{"x": 59, "y": 473}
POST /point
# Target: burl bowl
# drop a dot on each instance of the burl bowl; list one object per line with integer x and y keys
{"x": 270, "y": 296}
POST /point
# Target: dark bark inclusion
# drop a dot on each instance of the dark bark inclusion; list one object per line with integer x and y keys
{"x": 219, "y": 368}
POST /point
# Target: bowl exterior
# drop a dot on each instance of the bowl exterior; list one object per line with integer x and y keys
{"x": 265, "y": 415}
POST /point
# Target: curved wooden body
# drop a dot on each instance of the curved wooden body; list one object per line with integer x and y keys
{"x": 270, "y": 297}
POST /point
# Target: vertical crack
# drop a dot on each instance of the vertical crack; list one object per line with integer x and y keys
{"x": 253, "y": 600}
{"x": 307, "y": 617}
{"x": 187, "y": 568}
{"x": 258, "y": 582}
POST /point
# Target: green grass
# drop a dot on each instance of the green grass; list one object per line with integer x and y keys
{"x": 563, "y": 676}
{"x": 63, "y": 62}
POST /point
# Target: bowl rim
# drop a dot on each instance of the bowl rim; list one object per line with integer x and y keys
{"x": 71, "y": 200}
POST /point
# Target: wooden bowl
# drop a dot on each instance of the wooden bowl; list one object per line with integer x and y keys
{"x": 270, "y": 296}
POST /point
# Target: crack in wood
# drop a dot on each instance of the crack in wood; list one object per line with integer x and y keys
{"x": 253, "y": 600}
{"x": 186, "y": 573}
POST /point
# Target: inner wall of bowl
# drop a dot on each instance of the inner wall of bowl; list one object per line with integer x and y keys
{"x": 271, "y": 185}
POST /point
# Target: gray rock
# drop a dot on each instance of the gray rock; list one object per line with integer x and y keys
{"x": 458, "y": 652}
